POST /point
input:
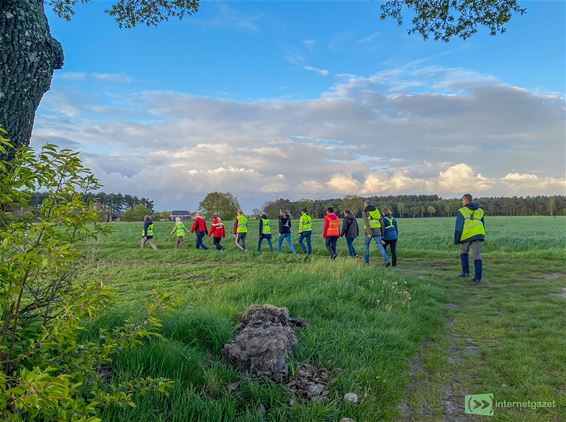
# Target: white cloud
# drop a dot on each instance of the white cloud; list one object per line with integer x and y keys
{"x": 341, "y": 41}
{"x": 321, "y": 72}
{"x": 517, "y": 177}
{"x": 228, "y": 17}
{"x": 71, "y": 76}
{"x": 81, "y": 76}
{"x": 407, "y": 130}
{"x": 112, "y": 77}
{"x": 463, "y": 177}
{"x": 342, "y": 183}
{"x": 369, "y": 38}
{"x": 309, "y": 44}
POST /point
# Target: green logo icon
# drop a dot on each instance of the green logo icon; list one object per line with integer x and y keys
{"x": 479, "y": 404}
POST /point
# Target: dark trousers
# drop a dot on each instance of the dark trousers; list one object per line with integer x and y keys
{"x": 268, "y": 238}
{"x": 331, "y": 245}
{"x": 305, "y": 236}
{"x": 216, "y": 242}
{"x": 200, "y": 243}
{"x": 241, "y": 240}
{"x": 392, "y": 245}
{"x": 351, "y": 249}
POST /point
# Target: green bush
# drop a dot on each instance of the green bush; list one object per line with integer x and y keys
{"x": 135, "y": 214}
{"x": 49, "y": 370}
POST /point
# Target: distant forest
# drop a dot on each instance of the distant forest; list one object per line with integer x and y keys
{"x": 423, "y": 205}
{"x": 109, "y": 205}
{"x": 412, "y": 206}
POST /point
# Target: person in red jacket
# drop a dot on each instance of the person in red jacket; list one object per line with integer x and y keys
{"x": 331, "y": 231}
{"x": 199, "y": 226}
{"x": 217, "y": 231}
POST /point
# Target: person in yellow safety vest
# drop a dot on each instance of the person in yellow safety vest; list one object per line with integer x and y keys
{"x": 241, "y": 230}
{"x": 305, "y": 231}
{"x": 179, "y": 229}
{"x": 373, "y": 227}
{"x": 147, "y": 233}
{"x": 469, "y": 234}
{"x": 264, "y": 232}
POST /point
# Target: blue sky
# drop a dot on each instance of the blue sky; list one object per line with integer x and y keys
{"x": 265, "y": 85}
{"x": 250, "y": 50}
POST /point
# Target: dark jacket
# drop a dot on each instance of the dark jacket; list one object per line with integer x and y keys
{"x": 392, "y": 233}
{"x": 368, "y": 231}
{"x": 284, "y": 224}
{"x": 460, "y": 226}
{"x": 350, "y": 227}
{"x": 265, "y": 236}
{"x": 145, "y": 227}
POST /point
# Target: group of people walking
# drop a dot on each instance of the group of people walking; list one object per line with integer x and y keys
{"x": 383, "y": 230}
{"x": 379, "y": 228}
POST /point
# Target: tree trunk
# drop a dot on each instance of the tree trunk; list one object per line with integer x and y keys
{"x": 28, "y": 57}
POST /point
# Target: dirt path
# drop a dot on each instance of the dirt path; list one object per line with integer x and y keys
{"x": 448, "y": 403}
{"x": 467, "y": 356}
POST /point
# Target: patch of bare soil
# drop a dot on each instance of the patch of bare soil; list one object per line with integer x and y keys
{"x": 561, "y": 294}
{"x": 553, "y": 276}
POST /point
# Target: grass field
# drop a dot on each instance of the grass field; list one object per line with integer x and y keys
{"x": 410, "y": 341}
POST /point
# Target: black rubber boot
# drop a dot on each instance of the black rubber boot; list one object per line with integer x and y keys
{"x": 465, "y": 265}
{"x": 478, "y": 270}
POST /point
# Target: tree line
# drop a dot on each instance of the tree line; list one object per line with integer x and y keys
{"x": 422, "y": 205}
{"x": 132, "y": 208}
{"x": 108, "y": 205}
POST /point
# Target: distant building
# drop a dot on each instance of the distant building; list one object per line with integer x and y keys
{"x": 183, "y": 214}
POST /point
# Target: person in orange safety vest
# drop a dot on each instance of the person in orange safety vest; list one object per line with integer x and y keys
{"x": 331, "y": 231}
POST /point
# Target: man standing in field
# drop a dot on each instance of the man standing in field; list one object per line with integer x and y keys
{"x": 374, "y": 230}
{"x": 147, "y": 233}
{"x": 331, "y": 231}
{"x": 180, "y": 229}
{"x": 241, "y": 230}
{"x": 469, "y": 234}
{"x": 305, "y": 231}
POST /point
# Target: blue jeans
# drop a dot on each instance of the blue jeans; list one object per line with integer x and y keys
{"x": 268, "y": 242}
{"x": 302, "y": 237}
{"x": 351, "y": 250}
{"x": 241, "y": 240}
{"x": 287, "y": 237}
{"x": 200, "y": 243}
{"x": 380, "y": 248}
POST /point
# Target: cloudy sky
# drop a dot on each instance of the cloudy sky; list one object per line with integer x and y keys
{"x": 309, "y": 99}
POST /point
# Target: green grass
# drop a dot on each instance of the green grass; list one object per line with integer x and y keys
{"x": 365, "y": 323}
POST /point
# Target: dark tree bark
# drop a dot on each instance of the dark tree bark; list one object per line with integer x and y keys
{"x": 28, "y": 57}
